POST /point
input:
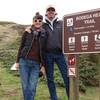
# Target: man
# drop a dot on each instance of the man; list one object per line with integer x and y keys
{"x": 54, "y": 53}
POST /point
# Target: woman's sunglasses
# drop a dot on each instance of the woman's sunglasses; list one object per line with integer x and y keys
{"x": 37, "y": 20}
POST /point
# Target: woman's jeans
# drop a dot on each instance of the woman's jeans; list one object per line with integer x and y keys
{"x": 29, "y": 73}
{"x": 59, "y": 59}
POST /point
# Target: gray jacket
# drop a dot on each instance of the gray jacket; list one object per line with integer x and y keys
{"x": 54, "y": 35}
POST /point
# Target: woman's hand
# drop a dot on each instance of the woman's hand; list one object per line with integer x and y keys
{"x": 17, "y": 66}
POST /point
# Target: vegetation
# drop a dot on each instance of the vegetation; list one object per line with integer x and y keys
{"x": 88, "y": 71}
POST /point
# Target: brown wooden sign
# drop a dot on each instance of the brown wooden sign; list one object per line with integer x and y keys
{"x": 82, "y": 32}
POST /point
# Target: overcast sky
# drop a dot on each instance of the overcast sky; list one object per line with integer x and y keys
{"x": 22, "y": 11}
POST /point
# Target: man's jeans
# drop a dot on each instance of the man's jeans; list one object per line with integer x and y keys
{"x": 29, "y": 73}
{"x": 59, "y": 59}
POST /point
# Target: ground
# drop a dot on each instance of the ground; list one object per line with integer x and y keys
{"x": 10, "y": 89}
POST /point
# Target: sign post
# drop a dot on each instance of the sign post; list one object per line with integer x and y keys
{"x": 73, "y": 76}
{"x": 98, "y": 57}
{"x": 81, "y": 35}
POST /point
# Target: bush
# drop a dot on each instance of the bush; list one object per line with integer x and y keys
{"x": 88, "y": 72}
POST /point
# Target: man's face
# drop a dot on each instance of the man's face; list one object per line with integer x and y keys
{"x": 50, "y": 13}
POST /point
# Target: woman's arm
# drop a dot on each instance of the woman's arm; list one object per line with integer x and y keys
{"x": 21, "y": 46}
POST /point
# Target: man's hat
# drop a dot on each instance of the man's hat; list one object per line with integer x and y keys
{"x": 50, "y": 7}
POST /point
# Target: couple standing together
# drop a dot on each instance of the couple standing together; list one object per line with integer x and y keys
{"x": 40, "y": 48}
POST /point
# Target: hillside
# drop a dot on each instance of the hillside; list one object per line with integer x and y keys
{"x": 10, "y": 34}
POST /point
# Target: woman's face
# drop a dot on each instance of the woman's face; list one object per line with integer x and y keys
{"x": 37, "y": 23}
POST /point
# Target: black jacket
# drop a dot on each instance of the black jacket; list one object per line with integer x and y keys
{"x": 54, "y": 35}
{"x": 27, "y": 41}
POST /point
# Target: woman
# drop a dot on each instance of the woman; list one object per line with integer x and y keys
{"x": 30, "y": 55}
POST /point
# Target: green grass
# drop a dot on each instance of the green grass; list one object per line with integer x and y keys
{"x": 92, "y": 93}
{"x": 10, "y": 86}
{"x": 10, "y": 89}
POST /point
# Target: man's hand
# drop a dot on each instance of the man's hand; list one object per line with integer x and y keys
{"x": 42, "y": 70}
{"x": 28, "y": 29}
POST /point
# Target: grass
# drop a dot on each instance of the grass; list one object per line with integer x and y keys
{"x": 92, "y": 93}
{"x": 10, "y": 89}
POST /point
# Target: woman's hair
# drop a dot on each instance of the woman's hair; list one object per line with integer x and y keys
{"x": 38, "y": 16}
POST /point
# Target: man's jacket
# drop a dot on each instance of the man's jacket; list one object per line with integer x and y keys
{"x": 54, "y": 35}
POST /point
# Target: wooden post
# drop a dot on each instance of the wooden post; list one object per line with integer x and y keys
{"x": 74, "y": 91}
{"x": 74, "y": 88}
{"x": 71, "y": 89}
{"x": 99, "y": 72}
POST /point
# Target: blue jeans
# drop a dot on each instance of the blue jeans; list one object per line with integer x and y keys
{"x": 59, "y": 59}
{"x": 29, "y": 73}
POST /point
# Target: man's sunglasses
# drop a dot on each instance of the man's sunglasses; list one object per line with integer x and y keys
{"x": 51, "y": 9}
